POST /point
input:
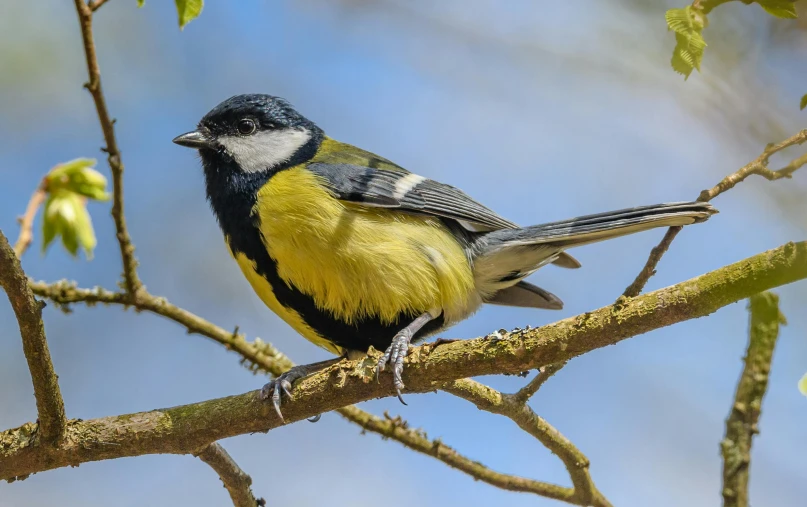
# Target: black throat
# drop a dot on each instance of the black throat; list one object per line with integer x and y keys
{"x": 233, "y": 194}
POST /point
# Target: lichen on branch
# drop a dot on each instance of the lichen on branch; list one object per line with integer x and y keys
{"x": 189, "y": 428}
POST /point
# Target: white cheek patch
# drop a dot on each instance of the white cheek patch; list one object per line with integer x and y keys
{"x": 264, "y": 150}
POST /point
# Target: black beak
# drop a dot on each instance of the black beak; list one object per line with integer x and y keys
{"x": 195, "y": 139}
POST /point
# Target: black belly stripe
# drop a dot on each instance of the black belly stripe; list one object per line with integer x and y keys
{"x": 357, "y": 336}
{"x": 232, "y": 195}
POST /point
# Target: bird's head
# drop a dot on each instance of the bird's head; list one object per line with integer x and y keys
{"x": 257, "y": 132}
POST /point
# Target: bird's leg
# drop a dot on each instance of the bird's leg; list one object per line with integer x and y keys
{"x": 396, "y": 352}
{"x": 283, "y": 383}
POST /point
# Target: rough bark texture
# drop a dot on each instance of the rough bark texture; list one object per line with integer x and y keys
{"x": 741, "y": 425}
{"x": 235, "y": 480}
{"x": 49, "y": 402}
{"x": 189, "y": 428}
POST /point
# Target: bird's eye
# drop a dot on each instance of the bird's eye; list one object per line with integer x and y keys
{"x": 246, "y": 127}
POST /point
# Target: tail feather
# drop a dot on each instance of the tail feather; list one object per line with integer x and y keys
{"x": 591, "y": 228}
{"x": 504, "y": 257}
{"x": 565, "y": 260}
{"x": 526, "y": 295}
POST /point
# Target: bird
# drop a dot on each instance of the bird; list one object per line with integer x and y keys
{"x": 353, "y": 251}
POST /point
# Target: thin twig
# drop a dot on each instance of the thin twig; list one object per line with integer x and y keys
{"x": 399, "y": 430}
{"x": 237, "y": 482}
{"x": 49, "y": 402}
{"x": 529, "y": 390}
{"x": 96, "y": 4}
{"x": 576, "y": 463}
{"x": 26, "y": 236}
{"x": 130, "y": 279}
{"x": 741, "y": 424}
{"x": 261, "y": 356}
{"x": 189, "y": 428}
{"x": 758, "y": 166}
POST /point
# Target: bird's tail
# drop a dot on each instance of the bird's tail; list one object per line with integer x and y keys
{"x": 503, "y": 257}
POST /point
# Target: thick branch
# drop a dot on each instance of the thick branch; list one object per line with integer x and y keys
{"x": 26, "y": 236}
{"x": 237, "y": 482}
{"x": 49, "y": 402}
{"x": 189, "y": 428}
{"x": 266, "y": 358}
{"x": 741, "y": 425}
{"x": 490, "y": 400}
{"x": 130, "y": 279}
{"x": 759, "y": 166}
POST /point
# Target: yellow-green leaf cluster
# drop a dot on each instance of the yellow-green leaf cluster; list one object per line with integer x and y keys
{"x": 803, "y": 385}
{"x": 69, "y": 186}
{"x": 78, "y": 176}
{"x": 688, "y": 24}
{"x": 779, "y": 8}
{"x": 803, "y": 102}
{"x": 188, "y": 10}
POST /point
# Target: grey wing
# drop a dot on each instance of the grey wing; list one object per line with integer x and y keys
{"x": 408, "y": 192}
{"x": 415, "y": 194}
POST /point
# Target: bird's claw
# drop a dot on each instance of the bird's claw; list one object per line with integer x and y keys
{"x": 395, "y": 355}
{"x": 283, "y": 383}
{"x": 273, "y": 389}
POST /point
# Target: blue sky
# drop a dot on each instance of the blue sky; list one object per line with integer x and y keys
{"x": 541, "y": 111}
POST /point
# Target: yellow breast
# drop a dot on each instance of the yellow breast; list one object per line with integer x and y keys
{"x": 356, "y": 261}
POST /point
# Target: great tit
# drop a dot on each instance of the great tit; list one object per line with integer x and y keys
{"x": 353, "y": 251}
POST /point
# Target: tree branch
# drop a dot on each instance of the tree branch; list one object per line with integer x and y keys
{"x": 237, "y": 482}
{"x": 398, "y": 429}
{"x": 263, "y": 357}
{"x": 544, "y": 373}
{"x": 49, "y": 402}
{"x": 189, "y": 428}
{"x": 491, "y": 400}
{"x": 131, "y": 281}
{"x": 741, "y": 425}
{"x": 26, "y": 236}
{"x": 758, "y": 166}
{"x": 96, "y": 4}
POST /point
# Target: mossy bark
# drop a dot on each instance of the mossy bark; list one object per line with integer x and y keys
{"x": 187, "y": 429}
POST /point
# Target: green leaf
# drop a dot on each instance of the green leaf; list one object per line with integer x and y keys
{"x": 141, "y": 3}
{"x": 780, "y": 8}
{"x": 688, "y": 25}
{"x": 803, "y": 102}
{"x": 48, "y": 229}
{"x": 66, "y": 216}
{"x": 79, "y": 177}
{"x": 188, "y": 10}
{"x": 84, "y": 231}
{"x": 679, "y": 20}
{"x": 803, "y": 385}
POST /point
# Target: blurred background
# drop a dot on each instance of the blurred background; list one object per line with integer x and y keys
{"x": 540, "y": 110}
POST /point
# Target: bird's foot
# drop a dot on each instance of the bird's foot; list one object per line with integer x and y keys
{"x": 394, "y": 356}
{"x": 283, "y": 383}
